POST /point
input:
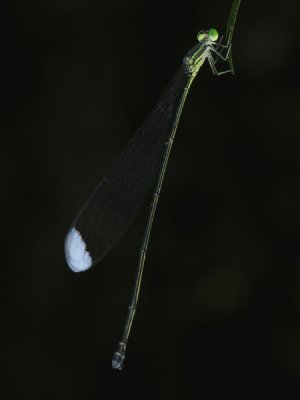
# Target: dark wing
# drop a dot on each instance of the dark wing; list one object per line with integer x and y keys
{"x": 113, "y": 206}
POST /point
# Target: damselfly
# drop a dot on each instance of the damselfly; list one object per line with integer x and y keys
{"x": 113, "y": 206}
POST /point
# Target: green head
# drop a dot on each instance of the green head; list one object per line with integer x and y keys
{"x": 212, "y": 34}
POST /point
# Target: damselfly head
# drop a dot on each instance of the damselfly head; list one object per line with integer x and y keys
{"x": 211, "y": 34}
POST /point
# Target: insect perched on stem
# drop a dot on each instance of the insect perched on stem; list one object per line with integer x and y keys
{"x": 113, "y": 206}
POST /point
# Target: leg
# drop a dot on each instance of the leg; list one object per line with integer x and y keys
{"x": 213, "y": 67}
{"x": 219, "y": 46}
{"x": 219, "y": 54}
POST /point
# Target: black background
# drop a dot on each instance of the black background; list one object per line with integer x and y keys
{"x": 219, "y": 312}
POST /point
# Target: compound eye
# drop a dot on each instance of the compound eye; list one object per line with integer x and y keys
{"x": 213, "y": 34}
{"x": 201, "y": 35}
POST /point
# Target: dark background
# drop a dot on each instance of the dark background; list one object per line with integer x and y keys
{"x": 219, "y": 312}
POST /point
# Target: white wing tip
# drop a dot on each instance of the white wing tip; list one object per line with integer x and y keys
{"x": 78, "y": 258}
